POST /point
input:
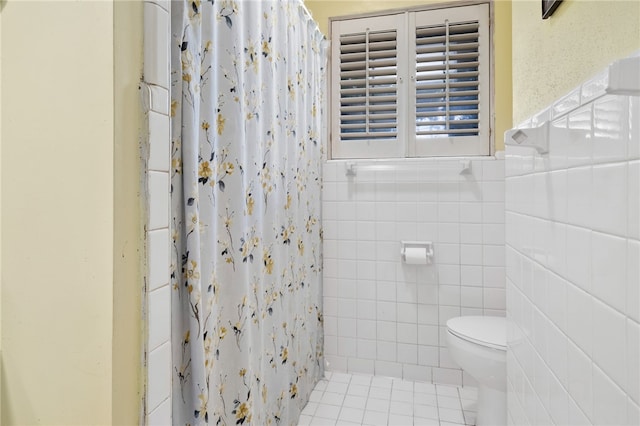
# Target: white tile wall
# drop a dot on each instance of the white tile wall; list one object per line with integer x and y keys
{"x": 159, "y": 156}
{"x": 386, "y": 318}
{"x": 156, "y": 43}
{"x": 159, "y": 381}
{"x": 155, "y": 92}
{"x": 158, "y": 258}
{"x": 159, "y": 320}
{"x": 160, "y": 416}
{"x": 573, "y": 265}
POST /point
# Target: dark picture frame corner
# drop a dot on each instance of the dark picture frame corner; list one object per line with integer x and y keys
{"x": 548, "y": 7}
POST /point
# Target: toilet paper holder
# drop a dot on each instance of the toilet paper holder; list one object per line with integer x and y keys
{"x": 424, "y": 250}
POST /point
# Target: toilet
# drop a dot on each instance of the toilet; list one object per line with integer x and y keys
{"x": 479, "y": 346}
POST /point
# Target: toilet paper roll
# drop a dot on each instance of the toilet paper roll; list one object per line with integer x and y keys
{"x": 415, "y": 256}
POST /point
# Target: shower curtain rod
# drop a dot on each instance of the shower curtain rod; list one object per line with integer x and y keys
{"x": 310, "y": 16}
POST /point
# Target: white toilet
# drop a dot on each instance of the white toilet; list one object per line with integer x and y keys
{"x": 479, "y": 346}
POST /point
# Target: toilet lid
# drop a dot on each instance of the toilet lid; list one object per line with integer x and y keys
{"x": 485, "y": 331}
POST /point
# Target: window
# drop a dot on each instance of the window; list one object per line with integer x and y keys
{"x": 411, "y": 84}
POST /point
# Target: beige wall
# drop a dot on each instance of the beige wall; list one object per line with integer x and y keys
{"x": 61, "y": 207}
{"x": 128, "y": 325}
{"x": 322, "y": 10}
{"x": 1, "y": 4}
{"x": 502, "y": 71}
{"x": 553, "y": 56}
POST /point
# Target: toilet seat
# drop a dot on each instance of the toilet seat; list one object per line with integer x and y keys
{"x": 490, "y": 332}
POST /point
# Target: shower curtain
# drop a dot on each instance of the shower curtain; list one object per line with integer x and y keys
{"x": 247, "y": 105}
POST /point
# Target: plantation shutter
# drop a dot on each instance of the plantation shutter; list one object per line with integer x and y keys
{"x": 450, "y": 111}
{"x": 368, "y": 86}
{"x": 368, "y": 82}
{"x": 411, "y": 84}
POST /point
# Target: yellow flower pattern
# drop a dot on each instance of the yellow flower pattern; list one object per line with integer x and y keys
{"x": 204, "y": 171}
{"x": 220, "y": 123}
{"x": 250, "y": 203}
{"x": 246, "y": 262}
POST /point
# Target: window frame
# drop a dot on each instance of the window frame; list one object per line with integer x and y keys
{"x": 407, "y": 145}
{"x": 384, "y": 147}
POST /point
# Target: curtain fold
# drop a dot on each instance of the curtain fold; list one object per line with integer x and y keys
{"x": 247, "y": 106}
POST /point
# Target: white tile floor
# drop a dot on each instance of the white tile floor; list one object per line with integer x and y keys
{"x": 351, "y": 399}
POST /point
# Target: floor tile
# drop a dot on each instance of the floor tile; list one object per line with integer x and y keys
{"x": 310, "y": 408}
{"x": 425, "y": 388}
{"x": 450, "y": 415}
{"x": 351, "y": 415}
{"x": 404, "y": 385}
{"x": 380, "y": 393}
{"x": 355, "y": 402}
{"x": 468, "y": 393}
{"x": 319, "y": 421}
{"x": 358, "y": 390}
{"x": 397, "y": 407}
{"x": 425, "y": 399}
{"x": 469, "y": 417}
{"x": 359, "y": 379}
{"x": 469, "y": 404}
{"x": 449, "y": 402}
{"x": 315, "y": 395}
{"x": 375, "y": 404}
{"x": 321, "y": 385}
{"x": 337, "y": 387}
{"x": 418, "y": 421}
{"x": 342, "y": 399}
{"x": 446, "y": 390}
{"x": 304, "y": 420}
{"x": 341, "y": 377}
{"x": 332, "y": 399}
{"x": 381, "y": 382}
{"x": 327, "y": 411}
{"x": 400, "y": 420}
{"x": 400, "y": 395}
{"x": 425, "y": 411}
{"x": 375, "y": 418}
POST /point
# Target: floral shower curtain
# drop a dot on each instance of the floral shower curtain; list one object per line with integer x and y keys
{"x": 247, "y": 87}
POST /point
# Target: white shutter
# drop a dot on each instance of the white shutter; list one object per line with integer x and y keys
{"x": 451, "y": 82}
{"x": 368, "y": 71}
{"x": 412, "y": 83}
